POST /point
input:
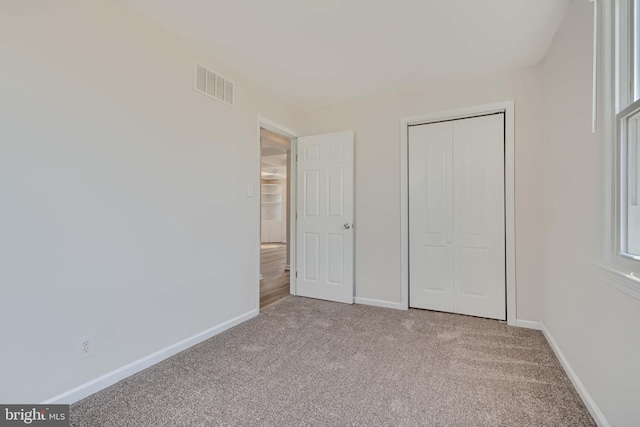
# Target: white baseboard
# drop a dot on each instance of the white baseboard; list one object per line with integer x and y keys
{"x": 529, "y": 324}
{"x": 110, "y": 378}
{"x": 378, "y": 303}
{"x": 593, "y": 409}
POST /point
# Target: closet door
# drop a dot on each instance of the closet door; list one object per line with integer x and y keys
{"x": 431, "y": 216}
{"x": 456, "y": 217}
{"x": 479, "y": 227}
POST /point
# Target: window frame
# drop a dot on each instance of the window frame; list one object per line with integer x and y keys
{"x": 622, "y": 160}
{"x": 616, "y": 268}
{"x": 627, "y": 69}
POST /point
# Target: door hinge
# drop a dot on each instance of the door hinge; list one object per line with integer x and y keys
{"x": 296, "y": 157}
{"x": 296, "y": 274}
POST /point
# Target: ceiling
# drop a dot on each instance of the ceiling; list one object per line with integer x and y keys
{"x": 274, "y": 155}
{"x": 321, "y": 52}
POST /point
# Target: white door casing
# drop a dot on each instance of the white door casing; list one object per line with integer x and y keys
{"x": 456, "y": 216}
{"x": 324, "y": 229}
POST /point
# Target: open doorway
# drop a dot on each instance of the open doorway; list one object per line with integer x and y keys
{"x": 314, "y": 182}
{"x": 275, "y": 208}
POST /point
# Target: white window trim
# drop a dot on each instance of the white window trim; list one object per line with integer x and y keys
{"x": 614, "y": 268}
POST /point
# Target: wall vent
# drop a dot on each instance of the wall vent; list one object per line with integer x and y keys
{"x": 213, "y": 85}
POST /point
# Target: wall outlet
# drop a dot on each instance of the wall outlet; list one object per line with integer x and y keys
{"x": 85, "y": 347}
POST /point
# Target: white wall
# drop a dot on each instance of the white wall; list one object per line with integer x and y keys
{"x": 596, "y": 326}
{"x": 123, "y": 208}
{"x": 376, "y": 122}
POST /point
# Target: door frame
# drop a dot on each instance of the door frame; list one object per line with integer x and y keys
{"x": 275, "y": 127}
{"x": 507, "y": 107}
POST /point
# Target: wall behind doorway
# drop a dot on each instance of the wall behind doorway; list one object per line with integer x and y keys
{"x": 268, "y": 231}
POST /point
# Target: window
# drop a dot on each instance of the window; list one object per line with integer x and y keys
{"x": 617, "y": 72}
{"x": 628, "y": 127}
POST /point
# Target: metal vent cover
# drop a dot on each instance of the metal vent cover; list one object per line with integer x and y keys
{"x": 213, "y": 85}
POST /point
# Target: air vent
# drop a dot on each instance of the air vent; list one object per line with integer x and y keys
{"x": 213, "y": 85}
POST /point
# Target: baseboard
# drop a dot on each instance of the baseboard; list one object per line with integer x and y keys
{"x": 108, "y": 379}
{"x": 378, "y": 303}
{"x": 529, "y": 324}
{"x": 593, "y": 409}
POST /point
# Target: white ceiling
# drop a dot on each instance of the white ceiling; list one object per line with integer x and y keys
{"x": 319, "y": 52}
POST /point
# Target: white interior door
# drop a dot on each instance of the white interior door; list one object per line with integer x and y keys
{"x": 456, "y": 216}
{"x": 324, "y": 245}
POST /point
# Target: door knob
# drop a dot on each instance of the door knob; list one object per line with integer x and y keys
{"x": 347, "y": 226}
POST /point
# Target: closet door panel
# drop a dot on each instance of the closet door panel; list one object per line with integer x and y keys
{"x": 431, "y": 216}
{"x": 479, "y": 227}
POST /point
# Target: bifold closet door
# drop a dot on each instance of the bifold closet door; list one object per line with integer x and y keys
{"x": 456, "y": 216}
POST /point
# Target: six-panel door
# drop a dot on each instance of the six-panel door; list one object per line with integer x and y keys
{"x": 325, "y": 217}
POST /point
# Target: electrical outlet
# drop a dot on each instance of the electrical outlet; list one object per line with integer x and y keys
{"x": 85, "y": 347}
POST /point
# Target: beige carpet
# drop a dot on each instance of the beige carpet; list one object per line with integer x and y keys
{"x": 310, "y": 362}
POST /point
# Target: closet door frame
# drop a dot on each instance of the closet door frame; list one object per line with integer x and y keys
{"x": 506, "y": 107}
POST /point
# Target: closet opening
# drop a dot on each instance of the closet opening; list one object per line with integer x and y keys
{"x": 458, "y": 211}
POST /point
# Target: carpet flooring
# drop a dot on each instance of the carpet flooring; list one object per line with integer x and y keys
{"x": 311, "y": 362}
